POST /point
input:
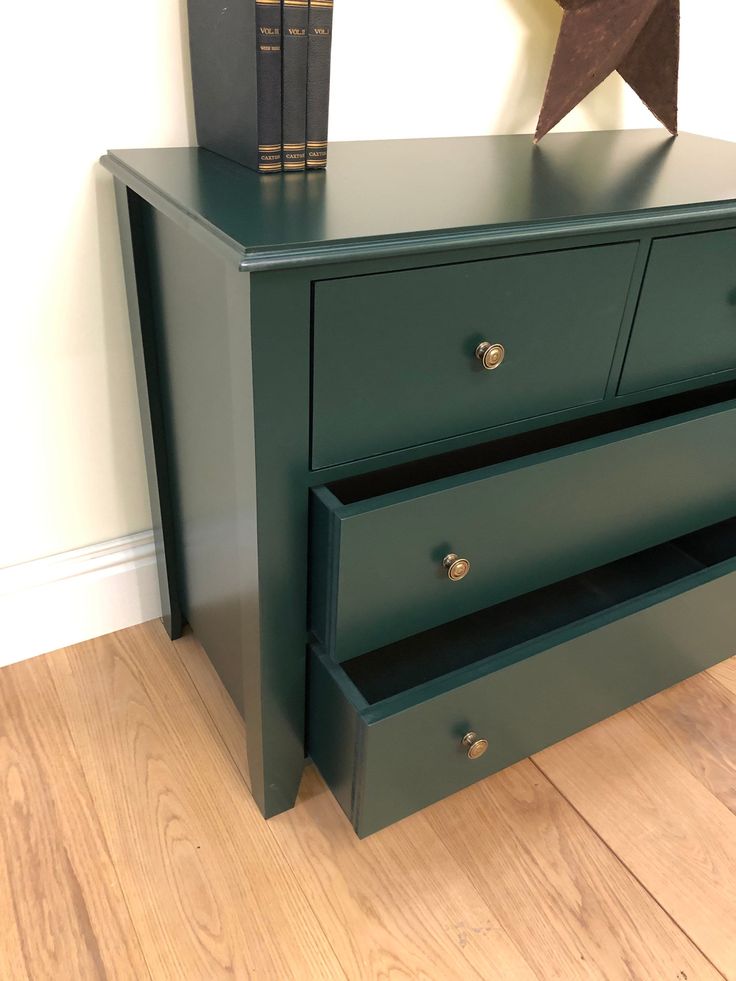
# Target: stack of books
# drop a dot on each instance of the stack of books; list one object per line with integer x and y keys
{"x": 261, "y": 80}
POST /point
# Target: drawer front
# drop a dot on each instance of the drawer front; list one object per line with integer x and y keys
{"x": 378, "y": 571}
{"x": 386, "y": 761}
{"x": 685, "y": 326}
{"x": 394, "y": 353}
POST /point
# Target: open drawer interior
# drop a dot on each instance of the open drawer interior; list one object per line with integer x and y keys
{"x": 388, "y": 480}
{"x": 498, "y": 636}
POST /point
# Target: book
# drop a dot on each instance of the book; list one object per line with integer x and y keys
{"x": 295, "y": 20}
{"x": 268, "y": 83}
{"x": 236, "y": 79}
{"x": 318, "y": 81}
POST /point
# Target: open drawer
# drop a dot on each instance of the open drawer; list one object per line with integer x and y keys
{"x": 386, "y": 729}
{"x": 518, "y": 513}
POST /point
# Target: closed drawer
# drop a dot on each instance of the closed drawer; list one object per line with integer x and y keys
{"x": 377, "y": 561}
{"x": 685, "y": 326}
{"x": 394, "y": 354}
{"x": 386, "y": 730}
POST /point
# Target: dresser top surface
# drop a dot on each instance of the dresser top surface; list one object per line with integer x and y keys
{"x": 392, "y": 196}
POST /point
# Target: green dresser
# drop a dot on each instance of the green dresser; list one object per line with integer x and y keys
{"x": 441, "y": 442}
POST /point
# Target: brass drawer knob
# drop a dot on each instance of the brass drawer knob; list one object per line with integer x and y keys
{"x": 490, "y": 355}
{"x": 457, "y": 568}
{"x": 474, "y": 745}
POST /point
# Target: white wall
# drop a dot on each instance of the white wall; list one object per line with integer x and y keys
{"x": 480, "y": 66}
{"x": 82, "y": 76}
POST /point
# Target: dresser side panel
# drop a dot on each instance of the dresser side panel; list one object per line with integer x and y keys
{"x": 239, "y": 487}
{"x": 190, "y": 299}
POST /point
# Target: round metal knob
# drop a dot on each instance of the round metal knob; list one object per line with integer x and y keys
{"x": 490, "y": 355}
{"x": 474, "y": 745}
{"x": 457, "y": 568}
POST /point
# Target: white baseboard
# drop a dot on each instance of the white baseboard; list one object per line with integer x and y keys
{"x": 65, "y": 599}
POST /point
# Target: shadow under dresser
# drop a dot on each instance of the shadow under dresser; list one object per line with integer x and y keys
{"x": 441, "y": 442}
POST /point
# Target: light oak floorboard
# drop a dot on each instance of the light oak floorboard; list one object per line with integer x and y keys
{"x": 725, "y": 673}
{"x": 62, "y": 912}
{"x": 696, "y": 722}
{"x": 208, "y": 888}
{"x": 406, "y": 898}
{"x": 571, "y": 907}
{"x": 673, "y": 835}
{"x": 178, "y": 874}
{"x": 394, "y": 905}
{"x": 11, "y": 940}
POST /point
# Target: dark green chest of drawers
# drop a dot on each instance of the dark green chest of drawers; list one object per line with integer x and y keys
{"x": 444, "y": 470}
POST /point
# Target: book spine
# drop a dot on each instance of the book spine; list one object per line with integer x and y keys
{"x": 295, "y": 17}
{"x": 318, "y": 81}
{"x": 268, "y": 66}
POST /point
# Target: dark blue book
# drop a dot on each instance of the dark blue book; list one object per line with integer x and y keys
{"x": 318, "y": 81}
{"x": 236, "y": 79}
{"x": 295, "y": 21}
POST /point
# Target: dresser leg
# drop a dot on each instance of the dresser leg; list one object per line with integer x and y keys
{"x": 148, "y": 380}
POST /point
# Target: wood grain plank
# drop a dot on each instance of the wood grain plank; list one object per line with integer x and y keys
{"x": 563, "y": 897}
{"x": 396, "y": 904}
{"x": 669, "y": 830}
{"x": 725, "y": 673}
{"x": 208, "y": 889}
{"x": 369, "y": 892}
{"x": 504, "y": 880}
{"x": 11, "y": 942}
{"x": 62, "y": 910}
{"x": 696, "y": 722}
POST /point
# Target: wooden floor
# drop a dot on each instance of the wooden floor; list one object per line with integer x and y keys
{"x": 130, "y": 847}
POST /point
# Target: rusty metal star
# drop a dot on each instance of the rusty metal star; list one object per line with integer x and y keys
{"x": 638, "y": 38}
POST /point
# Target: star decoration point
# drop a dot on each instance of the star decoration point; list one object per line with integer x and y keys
{"x": 638, "y": 38}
